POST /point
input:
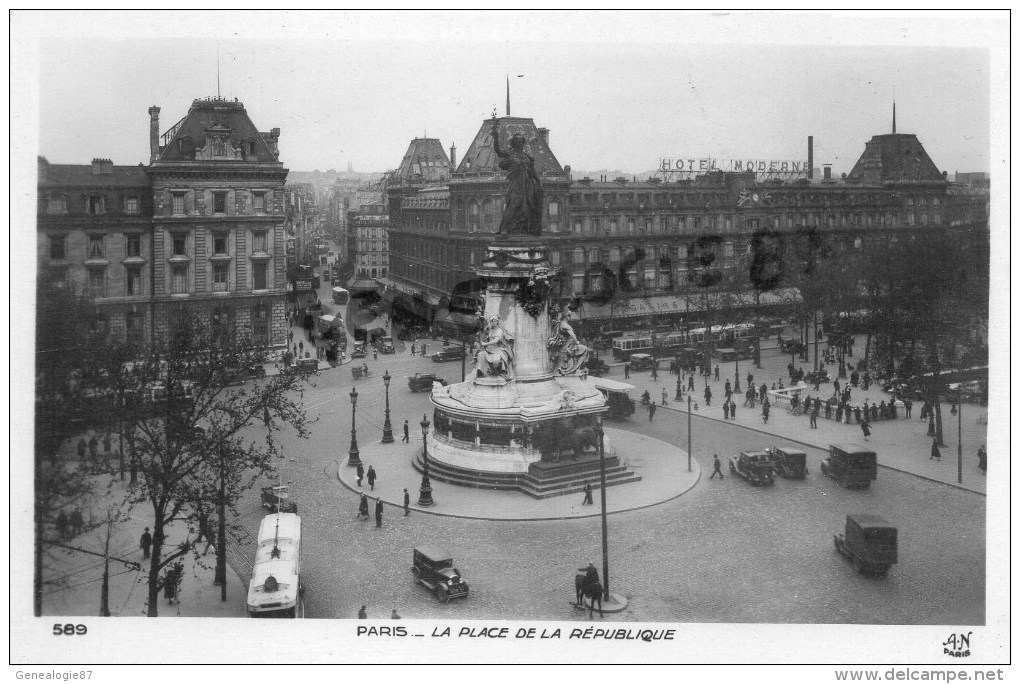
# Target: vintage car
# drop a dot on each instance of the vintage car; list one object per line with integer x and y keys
{"x": 870, "y": 542}
{"x": 385, "y": 345}
{"x": 240, "y": 375}
{"x": 788, "y": 463}
{"x": 305, "y": 366}
{"x": 422, "y": 382}
{"x": 433, "y": 568}
{"x": 360, "y": 350}
{"x": 448, "y": 354}
{"x": 641, "y": 362}
{"x": 277, "y": 499}
{"x": 851, "y": 465}
{"x": 753, "y": 466}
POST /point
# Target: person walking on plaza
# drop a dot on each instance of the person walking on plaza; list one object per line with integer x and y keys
{"x": 363, "y": 613}
{"x": 907, "y": 406}
{"x": 407, "y": 434}
{"x": 750, "y": 380}
{"x": 145, "y": 543}
{"x": 371, "y": 478}
{"x": 407, "y": 503}
{"x": 716, "y": 467}
{"x": 424, "y": 348}
{"x": 664, "y": 396}
{"x": 728, "y": 390}
{"x": 765, "y": 412}
{"x": 690, "y": 383}
{"x": 651, "y": 412}
{"x": 626, "y": 371}
{"x": 733, "y": 410}
{"x": 413, "y": 348}
{"x": 708, "y": 395}
{"x": 717, "y": 372}
{"x": 866, "y": 428}
{"x": 814, "y": 414}
{"x": 726, "y": 410}
{"x": 655, "y": 374}
{"x": 587, "y": 495}
{"x": 363, "y": 507}
{"x": 982, "y": 459}
{"x": 378, "y": 512}
{"x": 763, "y": 393}
{"x": 935, "y": 453}
{"x": 361, "y": 473}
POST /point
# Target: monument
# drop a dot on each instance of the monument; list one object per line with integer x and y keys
{"x": 526, "y": 416}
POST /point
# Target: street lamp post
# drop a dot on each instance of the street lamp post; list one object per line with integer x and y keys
{"x": 958, "y": 409}
{"x": 688, "y": 433}
{"x": 736, "y": 373}
{"x": 354, "y": 457}
{"x": 605, "y": 528}
{"x": 387, "y": 431}
{"x": 425, "y": 491}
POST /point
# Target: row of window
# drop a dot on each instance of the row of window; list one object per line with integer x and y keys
{"x": 221, "y": 321}
{"x": 180, "y": 283}
{"x": 179, "y": 241}
{"x": 178, "y": 202}
{"x": 95, "y": 204}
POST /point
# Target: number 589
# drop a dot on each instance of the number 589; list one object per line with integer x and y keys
{"x": 69, "y": 629}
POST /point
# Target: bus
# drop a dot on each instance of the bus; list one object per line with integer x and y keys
{"x": 341, "y": 296}
{"x": 671, "y": 343}
{"x": 275, "y": 589}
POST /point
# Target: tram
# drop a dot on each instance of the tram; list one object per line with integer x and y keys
{"x": 275, "y": 589}
{"x": 671, "y": 343}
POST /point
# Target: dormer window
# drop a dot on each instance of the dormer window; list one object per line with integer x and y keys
{"x": 219, "y": 149}
{"x": 131, "y": 205}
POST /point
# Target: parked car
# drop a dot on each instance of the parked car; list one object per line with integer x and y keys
{"x": 422, "y": 382}
{"x": 305, "y": 366}
{"x": 433, "y": 568}
{"x": 277, "y": 499}
{"x": 851, "y": 465}
{"x": 641, "y": 361}
{"x": 753, "y": 466}
{"x": 385, "y": 345}
{"x": 789, "y": 463}
{"x": 448, "y": 354}
{"x": 870, "y": 542}
{"x": 240, "y": 375}
{"x": 360, "y": 350}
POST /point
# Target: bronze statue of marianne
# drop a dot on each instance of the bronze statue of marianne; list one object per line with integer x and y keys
{"x": 523, "y": 212}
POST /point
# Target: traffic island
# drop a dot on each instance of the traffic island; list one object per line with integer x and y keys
{"x": 614, "y": 603}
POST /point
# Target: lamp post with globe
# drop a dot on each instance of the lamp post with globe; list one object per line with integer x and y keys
{"x": 387, "y": 432}
{"x": 425, "y": 491}
{"x": 354, "y": 457}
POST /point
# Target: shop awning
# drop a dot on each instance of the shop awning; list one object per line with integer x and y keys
{"x": 683, "y": 304}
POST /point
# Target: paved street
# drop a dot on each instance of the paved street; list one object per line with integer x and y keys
{"x": 722, "y": 552}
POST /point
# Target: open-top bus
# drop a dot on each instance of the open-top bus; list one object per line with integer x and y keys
{"x": 275, "y": 589}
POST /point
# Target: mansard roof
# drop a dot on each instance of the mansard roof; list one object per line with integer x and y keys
{"x": 424, "y": 162}
{"x": 215, "y": 116}
{"x": 481, "y": 156}
{"x": 895, "y": 157}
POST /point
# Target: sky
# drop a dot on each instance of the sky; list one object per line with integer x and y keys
{"x": 617, "y": 90}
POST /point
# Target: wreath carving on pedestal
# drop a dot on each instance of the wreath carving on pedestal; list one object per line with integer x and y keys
{"x": 533, "y": 295}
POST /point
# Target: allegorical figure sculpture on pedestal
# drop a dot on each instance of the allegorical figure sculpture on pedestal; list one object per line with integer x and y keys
{"x": 569, "y": 352}
{"x": 523, "y": 212}
{"x": 495, "y": 356}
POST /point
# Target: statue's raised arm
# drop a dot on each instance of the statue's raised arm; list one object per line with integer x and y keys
{"x": 495, "y": 140}
{"x": 523, "y": 210}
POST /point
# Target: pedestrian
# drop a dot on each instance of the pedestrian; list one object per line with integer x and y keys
{"x": 717, "y": 372}
{"x": 733, "y": 410}
{"x": 413, "y": 348}
{"x": 763, "y": 393}
{"x": 690, "y": 383}
{"x": 587, "y": 495}
{"x": 407, "y": 503}
{"x": 814, "y": 415}
{"x": 424, "y": 348}
{"x": 145, "y": 543}
{"x": 866, "y": 429}
{"x": 655, "y": 374}
{"x": 77, "y": 522}
{"x": 716, "y": 467}
{"x": 375, "y": 355}
{"x": 935, "y": 450}
{"x": 363, "y": 507}
{"x": 394, "y": 616}
{"x": 726, "y": 410}
{"x": 301, "y": 346}
{"x": 708, "y": 395}
{"x": 750, "y": 380}
{"x": 371, "y": 478}
{"x": 765, "y": 413}
{"x": 664, "y": 396}
{"x": 378, "y": 512}
{"x": 907, "y": 405}
{"x": 407, "y": 433}
{"x": 728, "y": 389}
{"x": 62, "y": 522}
{"x": 361, "y": 473}
{"x": 982, "y": 459}
{"x": 363, "y": 613}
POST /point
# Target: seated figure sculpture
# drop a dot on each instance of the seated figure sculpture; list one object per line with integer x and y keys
{"x": 495, "y": 357}
{"x": 570, "y": 354}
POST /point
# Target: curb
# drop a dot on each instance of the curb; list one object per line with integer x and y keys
{"x": 400, "y": 506}
{"x": 815, "y": 446}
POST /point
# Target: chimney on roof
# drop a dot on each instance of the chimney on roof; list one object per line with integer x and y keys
{"x": 153, "y": 133}
{"x": 453, "y": 156}
{"x": 543, "y": 134}
{"x": 827, "y": 172}
{"x": 810, "y": 157}
{"x": 102, "y": 167}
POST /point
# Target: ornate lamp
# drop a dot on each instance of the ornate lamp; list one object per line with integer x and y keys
{"x": 354, "y": 458}
{"x": 425, "y": 491}
{"x": 387, "y": 432}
